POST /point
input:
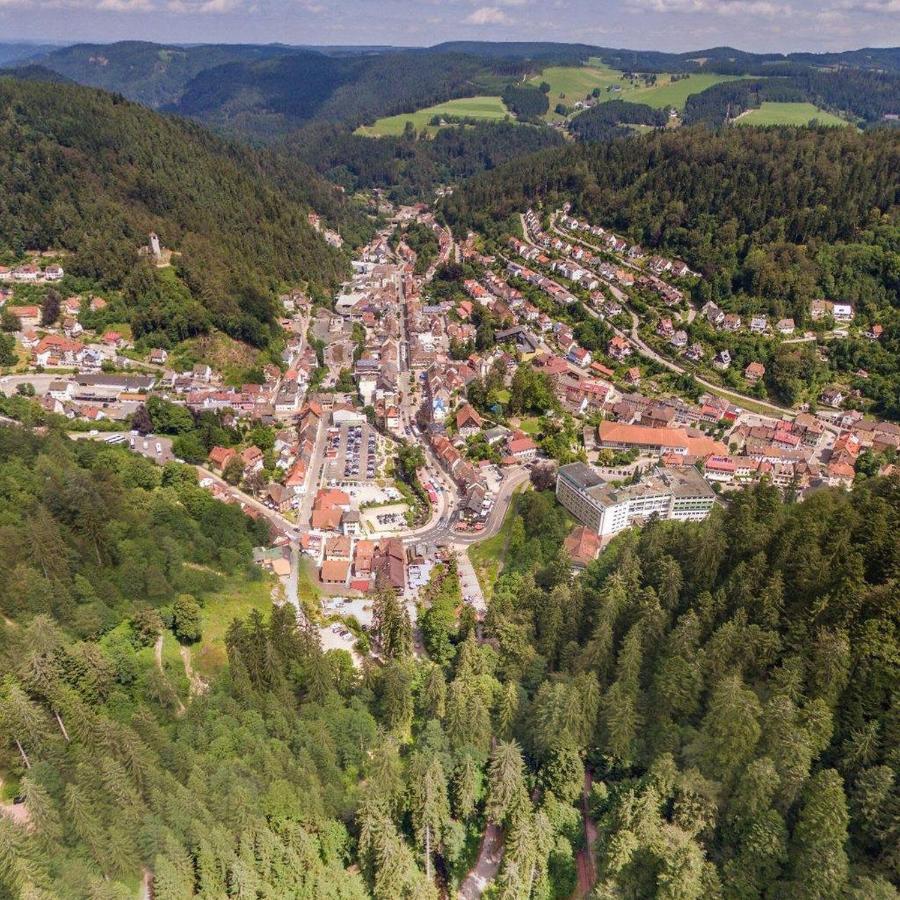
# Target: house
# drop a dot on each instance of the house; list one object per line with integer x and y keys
{"x": 833, "y": 397}
{"x": 679, "y": 339}
{"x": 754, "y": 372}
{"x": 389, "y": 563}
{"x": 339, "y": 547}
{"x": 842, "y": 312}
{"x": 665, "y": 327}
{"x": 28, "y": 316}
{"x": 253, "y": 460}
{"x": 758, "y": 325}
{"x": 818, "y": 309}
{"x": 722, "y": 360}
{"x": 874, "y": 333}
{"x": 712, "y": 314}
{"x": 363, "y": 558}
{"x": 521, "y": 447}
{"x": 731, "y": 322}
{"x": 56, "y": 350}
{"x": 695, "y": 352}
{"x": 618, "y": 348}
{"x": 785, "y": 326}
{"x": 579, "y": 356}
{"x": 278, "y": 497}
{"x": 468, "y": 422}
{"x": 221, "y": 456}
{"x": 633, "y": 375}
{"x": 334, "y": 571}
{"x": 158, "y": 356}
{"x": 351, "y": 522}
{"x": 582, "y": 546}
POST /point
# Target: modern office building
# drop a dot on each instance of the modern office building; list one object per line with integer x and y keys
{"x": 678, "y": 494}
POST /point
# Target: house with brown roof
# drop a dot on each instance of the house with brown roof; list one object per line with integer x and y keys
{"x": 468, "y": 422}
{"x": 754, "y": 372}
{"x": 252, "y": 458}
{"x": 338, "y": 547}
{"x": 389, "y": 563}
{"x": 334, "y": 571}
{"x": 221, "y": 456}
{"x": 363, "y": 558}
{"x": 582, "y": 546}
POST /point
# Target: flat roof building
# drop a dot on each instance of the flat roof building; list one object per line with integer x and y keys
{"x": 677, "y": 494}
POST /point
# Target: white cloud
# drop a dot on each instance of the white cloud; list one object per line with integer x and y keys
{"x": 487, "y": 15}
{"x": 201, "y": 6}
{"x": 765, "y": 8}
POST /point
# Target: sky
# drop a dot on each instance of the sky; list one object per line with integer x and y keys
{"x": 672, "y": 25}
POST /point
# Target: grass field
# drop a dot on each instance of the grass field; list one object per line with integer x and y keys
{"x": 571, "y": 83}
{"x": 771, "y": 113}
{"x": 237, "y": 599}
{"x": 487, "y": 108}
{"x": 530, "y": 425}
{"x": 488, "y": 556}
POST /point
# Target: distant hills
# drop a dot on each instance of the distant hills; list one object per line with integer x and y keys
{"x": 267, "y": 90}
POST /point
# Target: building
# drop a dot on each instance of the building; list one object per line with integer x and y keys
{"x": 582, "y": 546}
{"x": 677, "y": 494}
{"x": 650, "y": 439}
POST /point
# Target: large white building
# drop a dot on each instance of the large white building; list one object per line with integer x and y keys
{"x": 678, "y": 494}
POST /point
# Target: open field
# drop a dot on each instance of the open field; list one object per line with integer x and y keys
{"x": 771, "y": 113}
{"x": 237, "y": 599}
{"x": 489, "y": 556}
{"x": 487, "y": 108}
{"x": 569, "y": 84}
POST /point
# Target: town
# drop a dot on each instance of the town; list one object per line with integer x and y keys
{"x": 388, "y": 440}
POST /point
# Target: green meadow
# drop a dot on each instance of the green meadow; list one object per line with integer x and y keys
{"x": 771, "y": 113}
{"x": 487, "y": 108}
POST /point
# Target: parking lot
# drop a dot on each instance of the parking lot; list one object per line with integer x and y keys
{"x": 351, "y": 453}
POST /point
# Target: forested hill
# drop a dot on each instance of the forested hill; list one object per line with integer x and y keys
{"x": 731, "y": 685}
{"x": 91, "y": 173}
{"x": 782, "y": 214}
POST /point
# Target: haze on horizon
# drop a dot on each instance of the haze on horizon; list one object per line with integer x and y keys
{"x": 669, "y": 25}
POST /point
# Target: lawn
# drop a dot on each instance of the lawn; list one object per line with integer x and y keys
{"x": 771, "y": 113}
{"x": 237, "y": 599}
{"x": 488, "y": 556}
{"x": 571, "y": 83}
{"x": 530, "y": 425}
{"x": 487, "y": 108}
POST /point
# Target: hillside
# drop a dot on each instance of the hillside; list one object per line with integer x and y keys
{"x": 772, "y": 218}
{"x": 92, "y": 174}
{"x": 728, "y": 685}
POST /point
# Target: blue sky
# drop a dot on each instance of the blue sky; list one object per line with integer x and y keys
{"x": 775, "y": 25}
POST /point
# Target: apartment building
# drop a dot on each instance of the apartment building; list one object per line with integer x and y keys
{"x": 677, "y": 494}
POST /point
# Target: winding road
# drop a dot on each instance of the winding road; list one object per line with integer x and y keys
{"x": 648, "y": 352}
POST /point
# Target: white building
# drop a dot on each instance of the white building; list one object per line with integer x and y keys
{"x": 677, "y": 494}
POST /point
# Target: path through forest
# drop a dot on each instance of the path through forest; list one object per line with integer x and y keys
{"x": 157, "y": 651}
{"x": 585, "y": 860}
{"x": 197, "y": 684}
{"x": 487, "y": 865}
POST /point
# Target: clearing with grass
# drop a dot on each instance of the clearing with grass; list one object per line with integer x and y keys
{"x": 569, "y": 84}
{"x": 772, "y": 113}
{"x": 485, "y": 108}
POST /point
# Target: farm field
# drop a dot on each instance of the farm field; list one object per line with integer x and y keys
{"x": 488, "y": 108}
{"x": 569, "y": 84}
{"x": 771, "y": 113}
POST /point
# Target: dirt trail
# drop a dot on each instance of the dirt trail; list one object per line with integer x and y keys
{"x": 157, "y": 651}
{"x": 197, "y": 684}
{"x": 487, "y": 865}
{"x": 585, "y": 860}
